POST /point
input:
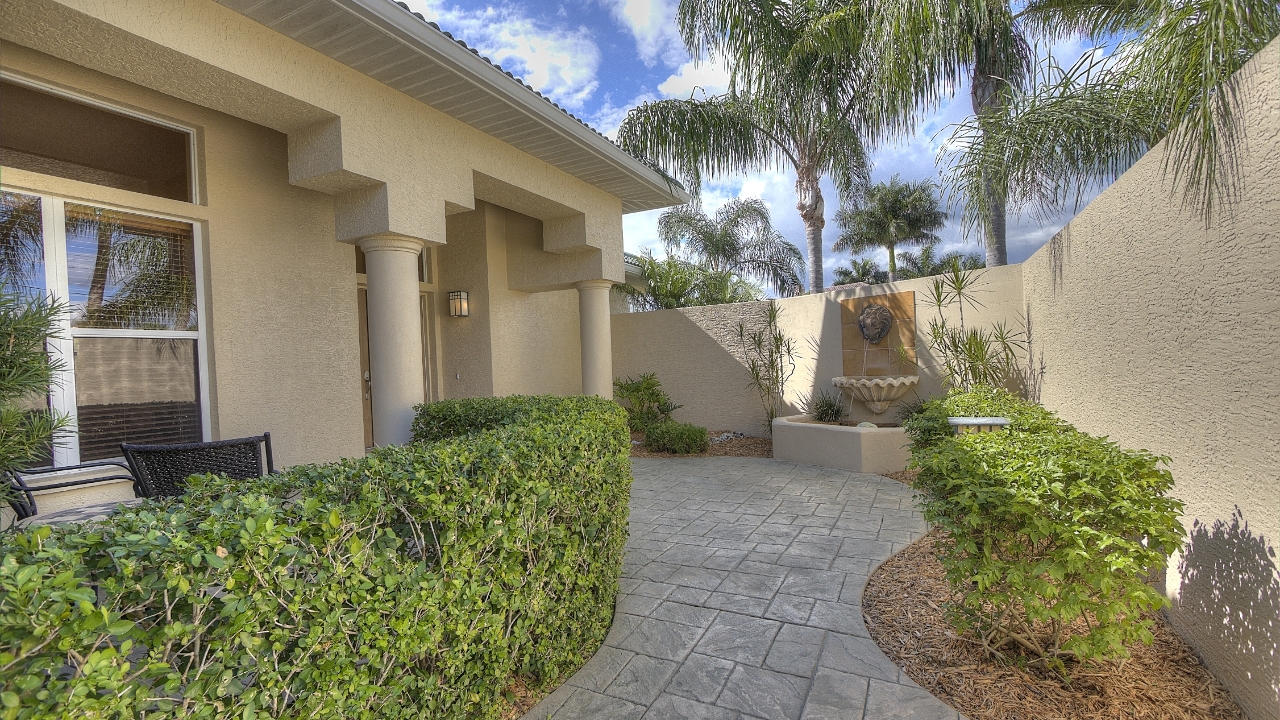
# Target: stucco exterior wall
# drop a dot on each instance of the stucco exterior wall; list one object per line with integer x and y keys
{"x": 466, "y": 342}
{"x": 298, "y": 156}
{"x": 702, "y": 365}
{"x": 395, "y": 164}
{"x": 514, "y": 342}
{"x": 279, "y": 291}
{"x": 1163, "y": 335}
{"x": 536, "y": 343}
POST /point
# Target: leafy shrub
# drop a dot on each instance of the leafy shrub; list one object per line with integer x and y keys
{"x": 26, "y": 371}
{"x": 414, "y": 582}
{"x": 647, "y": 404}
{"x": 454, "y": 418}
{"x": 926, "y": 422}
{"x": 987, "y": 401}
{"x": 678, "y": 438}
{"x": 1048, "y": 525}
{"x": 823, "y": 407}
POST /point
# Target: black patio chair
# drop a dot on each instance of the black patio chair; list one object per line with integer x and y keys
{"x": 162, "y": 470}
{"x": 24, "y": 503}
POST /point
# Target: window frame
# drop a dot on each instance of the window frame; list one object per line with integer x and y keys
{"x": 193, "y": 175}
{"x": 62, "y": 392}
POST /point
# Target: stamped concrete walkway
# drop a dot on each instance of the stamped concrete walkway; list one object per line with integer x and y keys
{"x": 741, "y": 598}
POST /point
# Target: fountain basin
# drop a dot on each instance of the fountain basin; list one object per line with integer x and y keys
{"x": 877, "y": 392}
{"x": 876, "y": 450}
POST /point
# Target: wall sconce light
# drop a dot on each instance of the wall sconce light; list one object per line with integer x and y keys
{"x": 459, "y": 306}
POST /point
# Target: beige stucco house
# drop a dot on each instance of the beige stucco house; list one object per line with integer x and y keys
{"x": 258, "y": 211}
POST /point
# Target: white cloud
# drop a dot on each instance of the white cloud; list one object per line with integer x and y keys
{"x": 652, "y": 24}
{"x": 688, "y": 80}
{"x": 609, "y": 116}
{"x": 559, "y": 62}
{"x": 696, "y": 80}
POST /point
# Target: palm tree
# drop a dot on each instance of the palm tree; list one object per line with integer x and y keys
{"x": 935, "y": 43}
{"x": 740, "y": 239}
{"x": 860, "y": 270}
{"x": 21, "y": 242}
{"x": 1076, "y": 127}
{"x": 926, "y": 263}
{"x": 813, "y": 115}
{"x": 892, "y": 214}
{"x": 676, "y": 283}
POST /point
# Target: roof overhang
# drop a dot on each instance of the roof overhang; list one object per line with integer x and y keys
{"x": 404, "y": 52}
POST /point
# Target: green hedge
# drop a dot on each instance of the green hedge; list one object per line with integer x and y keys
{"x": 677, "y": 438}
{"x": 1047, "y": 525}
{"x": 415, "y": 582}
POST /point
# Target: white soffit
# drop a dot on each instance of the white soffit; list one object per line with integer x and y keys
{"x": 404, "y": 52}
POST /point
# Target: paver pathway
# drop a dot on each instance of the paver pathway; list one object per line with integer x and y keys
{"x": 741, "y": 598}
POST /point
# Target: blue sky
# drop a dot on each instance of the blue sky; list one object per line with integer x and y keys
{"x": 598, "y": 58}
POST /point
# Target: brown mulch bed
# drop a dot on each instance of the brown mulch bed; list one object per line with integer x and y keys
{"x": 902, "y": 607}
{"x": 522, "y": 698}
{"x": 737, "y": 447}
{"x": 906, "y": 477}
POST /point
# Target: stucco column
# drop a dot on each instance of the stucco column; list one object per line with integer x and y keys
{"x": 395, "y": 334}
{"x": 597, "y": 340}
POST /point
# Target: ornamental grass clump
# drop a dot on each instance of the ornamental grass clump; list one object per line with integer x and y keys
{"x": 822, "y": 406}
{"x": 1053, "y": 533}
{"x": 418, "y": 581}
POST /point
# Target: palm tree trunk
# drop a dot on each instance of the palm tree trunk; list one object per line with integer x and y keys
{"x": 893, "y": 262}
{"x": 809, "y": 203}
{"x": 101, "y": 264}
{"x": 986, "y": 100}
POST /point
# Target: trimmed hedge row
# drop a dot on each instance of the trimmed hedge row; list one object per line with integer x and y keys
{"x": 1053, "y": 532}
{"x": 415, "y": 582}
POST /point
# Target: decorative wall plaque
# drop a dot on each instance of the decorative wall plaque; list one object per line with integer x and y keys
{"x": 874, "y": 322}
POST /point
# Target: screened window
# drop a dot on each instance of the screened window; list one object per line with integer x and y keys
{"x": 130, "y": 341}
{"x": 54, "y": 135}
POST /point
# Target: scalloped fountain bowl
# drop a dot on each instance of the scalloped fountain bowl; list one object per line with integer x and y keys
{"x": 878, "y": 392}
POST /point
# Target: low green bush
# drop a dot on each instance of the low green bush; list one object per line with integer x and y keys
{"x": 1052, "y": 533}
{"x": 647, "y": 404}
{"x": 926, "y": 422}
{"x": 677, "y": 438}
{"x": 415, "y": 582}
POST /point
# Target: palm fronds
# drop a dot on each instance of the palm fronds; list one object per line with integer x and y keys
{"x": 1075, "y": 129}
{"x": 891, "y": 214}
{"x": 739, "y": 239}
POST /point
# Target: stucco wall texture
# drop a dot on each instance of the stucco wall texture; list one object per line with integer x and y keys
{"x": 513, "y": 342}
{"x": 1153, "y": 330}
{"x": 1163, "y": 335}
{"x": 395, "y": 164}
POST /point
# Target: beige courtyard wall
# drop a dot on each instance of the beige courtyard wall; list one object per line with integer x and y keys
{"x": 1163, "y": 335}
{"x": 702, "y": 365}
{"x": 280, "y": 293}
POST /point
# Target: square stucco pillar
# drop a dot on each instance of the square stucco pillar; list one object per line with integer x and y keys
{"x": 597, "y": 341}
{"x": 395, "y": 335}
